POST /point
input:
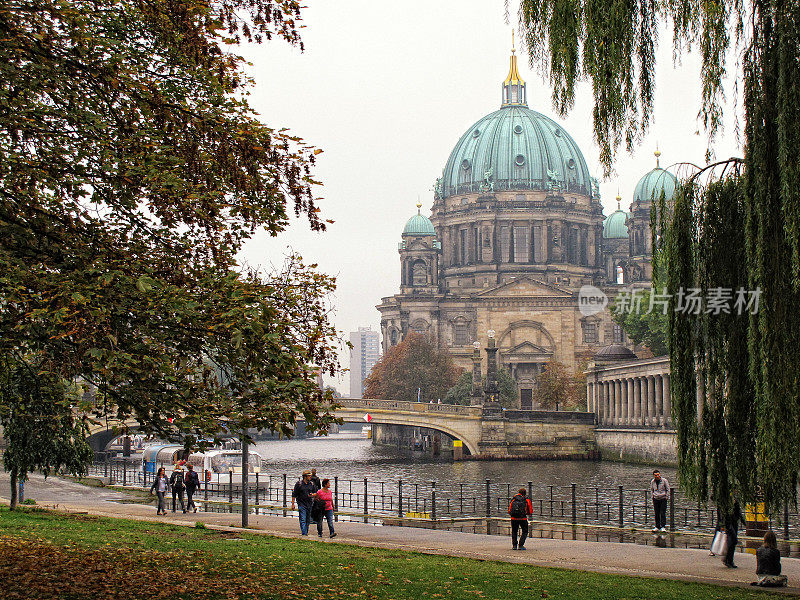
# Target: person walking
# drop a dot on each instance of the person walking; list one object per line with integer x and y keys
{"x": 160, "y": 486}
{"x": 192, "y": 485}
{"x": 732, "y": 520}
{"x": 178, "y": 485}
{"x": 519, "y": 510}
{"x": 315, "y": 480}
{"x": 324, "y": 495}
{"x": 659, "y": 489}
{"x": 303, "y": 494}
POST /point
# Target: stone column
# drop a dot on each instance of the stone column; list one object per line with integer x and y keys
{"x": 631, "y": 402}
{"x": 643, "y": 395}
{"x": 614, "y": 404}
{"x": 667, "y": 401}
{"x": 618, "y": 392}
{"x": 637, "y": 401}
{"x": 589, "y": 403}
{"x": 651, "y": 400}
{"x": 606, "y": 403}
{"x": 623, "y": 396}
{"x": 659, "y": 399}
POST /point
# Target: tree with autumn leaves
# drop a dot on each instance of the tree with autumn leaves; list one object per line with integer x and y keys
{"x": 414, "y": 367}
{"x": 132, "y": 171}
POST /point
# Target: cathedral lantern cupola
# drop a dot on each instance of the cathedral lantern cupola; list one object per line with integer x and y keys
{"x": 514, "y": 86}
{"x": 419, "y": 255}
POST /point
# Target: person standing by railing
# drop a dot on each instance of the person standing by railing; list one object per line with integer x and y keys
{"x": 659, "y": 489}
{"x": 519, "y": 510}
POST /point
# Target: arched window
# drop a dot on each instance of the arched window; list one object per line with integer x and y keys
{"x": 419, "y": 273}
{"x": 393, "y": 337}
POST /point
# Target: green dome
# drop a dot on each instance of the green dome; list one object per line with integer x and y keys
{"x": 650, "y": 186}
{"x": 419, "y": 225}
{"x": 614, "y": 226}
{"x": 519, "y": 146}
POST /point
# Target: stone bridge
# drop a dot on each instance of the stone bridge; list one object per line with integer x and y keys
{"x": 483, "y": 433}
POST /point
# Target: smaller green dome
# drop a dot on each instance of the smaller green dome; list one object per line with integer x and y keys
{"x": 419, "y": 225}
{"x": 614, "y": 226}
{"x": 652, "y": 184}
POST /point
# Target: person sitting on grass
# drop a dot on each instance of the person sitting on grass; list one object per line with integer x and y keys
{"x": 768, "y": 563}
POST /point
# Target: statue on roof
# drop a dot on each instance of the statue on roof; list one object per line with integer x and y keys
{"x": 553, "y": 183}
{"x": 488, "y": 183}
{"x": 595, "y": 188}
{"x": 438, "y": 188}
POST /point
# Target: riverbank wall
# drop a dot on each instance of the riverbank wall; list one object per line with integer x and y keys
{"x": 643, "y": 446}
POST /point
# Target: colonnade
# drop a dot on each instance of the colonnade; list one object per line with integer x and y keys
{"x": 631, "y": 401}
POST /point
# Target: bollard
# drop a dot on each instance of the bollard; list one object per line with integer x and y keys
{"x": 488, "y": 508}
{"x": 284, "y": 494}
{"x": 530, "y": 492}
{"x": 621, "y": 505}
{"x": 144, "y": 473}
{"x": 230, "y": 490}
{"x": 551, "y": 499}
{"x": 256, "y": 492}
{"x": 124, "y": 474}
{"x": 786, "y": 521}
{"x": 336, "y": 499}
{"x": 574, "y": 507}
{"x": 433, "y": 503}
{"x": 366, "y": 500}
{"x": 672, "y": 509}
{"x": 400, "y": 498}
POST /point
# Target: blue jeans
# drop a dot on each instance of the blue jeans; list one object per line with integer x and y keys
{"x": 328, "y": 514}
{"x": 304, "y": 510}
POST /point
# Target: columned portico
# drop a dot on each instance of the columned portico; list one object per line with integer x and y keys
{"x": 630, "y": 394}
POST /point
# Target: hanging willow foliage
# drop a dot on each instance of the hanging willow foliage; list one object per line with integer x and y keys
{"x": 735, "y": 380}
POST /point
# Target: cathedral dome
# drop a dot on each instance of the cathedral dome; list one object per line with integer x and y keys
{"x": 515, "y": 148}
{"x": 651, "y": 185}
{"x": 419, "y": 225}
{"x": 614, "y": 226}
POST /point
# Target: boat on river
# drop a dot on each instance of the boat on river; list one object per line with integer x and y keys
{"x": 213, "y": 465}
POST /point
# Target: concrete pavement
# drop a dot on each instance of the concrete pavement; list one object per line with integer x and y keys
{"x": 602, "y": 557}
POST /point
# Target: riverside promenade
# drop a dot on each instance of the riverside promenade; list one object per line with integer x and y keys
{"x": 602, "y": 557}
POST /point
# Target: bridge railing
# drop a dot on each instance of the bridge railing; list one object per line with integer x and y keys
{"x": 425, "y": 407}
{"x": 449, "y": 504}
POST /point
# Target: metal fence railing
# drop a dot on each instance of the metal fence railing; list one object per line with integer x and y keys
{"x": 614, "y": 507}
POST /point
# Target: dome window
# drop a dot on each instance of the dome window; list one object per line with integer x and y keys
{"x": 476, "y": 133}
{"x": 517, "y": 129}
{"x": 571, "y": 163}
{"x": 557, "y": 132}
{"x": 519, "y": 160}
{"x": 465, "y": 164}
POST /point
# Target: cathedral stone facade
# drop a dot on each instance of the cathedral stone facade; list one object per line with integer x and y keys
{"x": 515, "y": 231}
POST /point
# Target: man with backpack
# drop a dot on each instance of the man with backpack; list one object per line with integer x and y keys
{"x": 519, "y": 510}
{"x": 177, "y": 484}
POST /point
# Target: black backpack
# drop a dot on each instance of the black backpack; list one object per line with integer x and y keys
{"x": 178, "y": 485}
{"x": 518, "y": 508}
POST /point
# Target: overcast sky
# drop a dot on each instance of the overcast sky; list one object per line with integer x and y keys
{"x": 386, "y": 89}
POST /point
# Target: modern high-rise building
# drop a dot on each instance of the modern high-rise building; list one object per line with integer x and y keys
{"x": 365, "y": 353}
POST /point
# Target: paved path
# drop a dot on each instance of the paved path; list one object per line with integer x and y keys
{"x": 603, "y": 557}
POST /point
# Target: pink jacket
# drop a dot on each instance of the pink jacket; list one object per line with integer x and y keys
{"x": 327, "y": 496}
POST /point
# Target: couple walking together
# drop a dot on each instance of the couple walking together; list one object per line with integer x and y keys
{"x": 314, "y": 502}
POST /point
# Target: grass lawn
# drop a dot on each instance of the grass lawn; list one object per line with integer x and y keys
{"x": 45, "y": 555}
